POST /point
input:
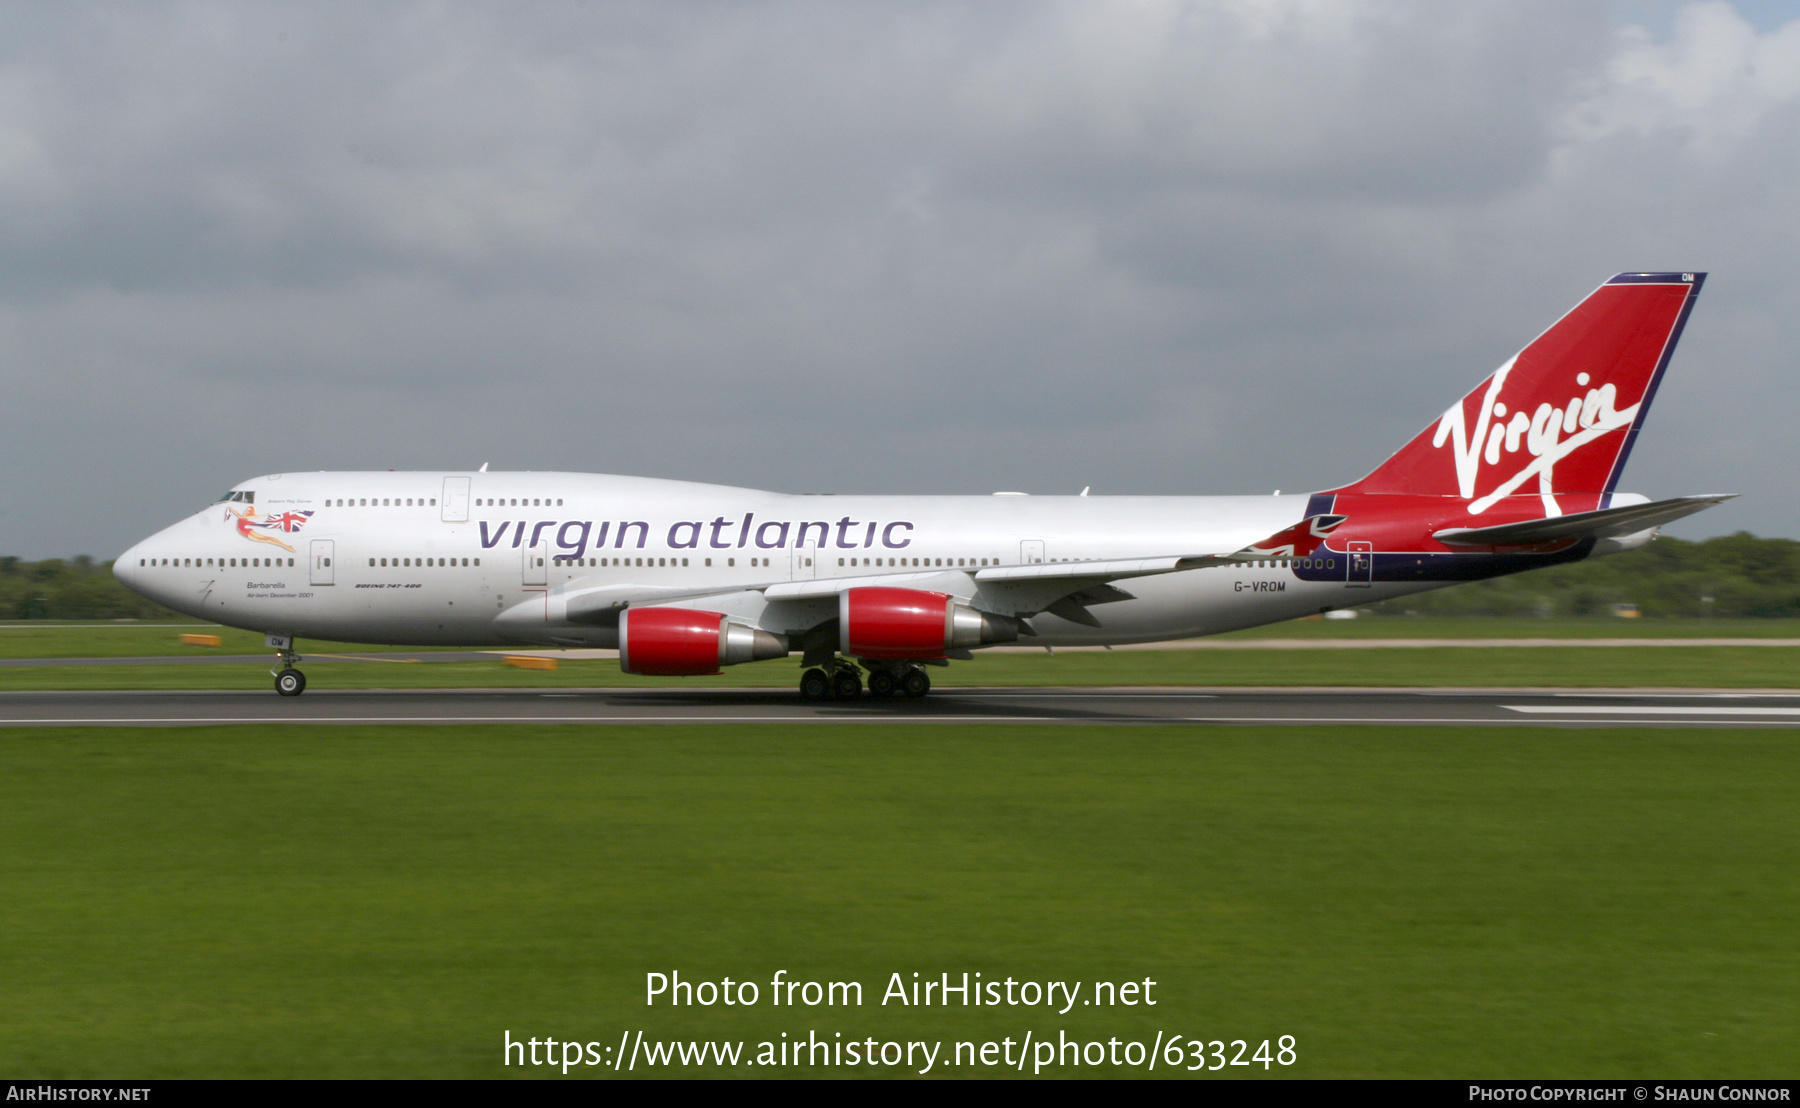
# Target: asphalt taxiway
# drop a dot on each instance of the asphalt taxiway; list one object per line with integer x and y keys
{"x": 1193, "y": 706}
{"x": 205, "y": 659}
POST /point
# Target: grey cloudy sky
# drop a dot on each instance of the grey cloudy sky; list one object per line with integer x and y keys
{"x": 1152, "y": 247}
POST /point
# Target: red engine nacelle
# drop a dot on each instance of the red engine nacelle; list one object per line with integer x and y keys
{"x": 681, "y": 642}
{"x": 889, "y": 624}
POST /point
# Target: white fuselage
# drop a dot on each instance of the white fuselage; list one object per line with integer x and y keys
{"x": 494, "y": 558}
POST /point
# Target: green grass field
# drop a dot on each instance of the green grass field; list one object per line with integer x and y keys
{"x": 121, "y": 639}
{"x": 1685, "y": 667}
{"x": 347, "y": 902}
{"x": 128, "y": 639}
{"x": 1483, "y": 627}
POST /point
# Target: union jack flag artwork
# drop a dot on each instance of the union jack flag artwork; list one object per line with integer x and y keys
{"x": 1297, "y": 541}
{"x": 286, "y": 521}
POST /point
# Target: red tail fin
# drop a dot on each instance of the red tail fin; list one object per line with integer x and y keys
{"x": 1562, "y": 414}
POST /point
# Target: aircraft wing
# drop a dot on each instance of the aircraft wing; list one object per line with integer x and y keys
{"x": 1061, "y": 588}
{"x": 601, "y": 605}
{"x": 1025, "y": 588}
{"x": 1074, "y": 575}
{"x": 1603, "y": 524}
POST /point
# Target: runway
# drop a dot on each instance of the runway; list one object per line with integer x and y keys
{"x": 576, "y": 655}
{"x": 1219, "y": 707}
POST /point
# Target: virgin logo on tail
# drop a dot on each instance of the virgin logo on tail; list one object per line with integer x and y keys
{"x": 1540, "y": 434}
{"x": 1564, "y": 410}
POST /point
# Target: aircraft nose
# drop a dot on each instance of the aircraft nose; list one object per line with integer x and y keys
{"x": 129, "y": 573}
{"x": 124, "y": 568}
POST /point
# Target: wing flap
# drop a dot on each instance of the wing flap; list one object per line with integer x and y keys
{"x": 1603, "y": 524}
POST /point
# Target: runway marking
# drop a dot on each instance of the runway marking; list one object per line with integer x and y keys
{"x": 1681, "y": 695}
{"x": 1007, "y": 694}
{"x": 920, "y": 719}
{"x": 1494, "y": 721}
{"x": 570, "y": 719}
{"x": 1649, "y": 710}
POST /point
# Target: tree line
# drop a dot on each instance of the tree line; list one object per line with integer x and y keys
{"x": 1736, "y": 576}
{"x": 1733, "y": 576}
{"x": 75, "y": 588}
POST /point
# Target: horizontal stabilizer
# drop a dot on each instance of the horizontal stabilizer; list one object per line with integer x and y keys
{"x": 1604, "y": 524}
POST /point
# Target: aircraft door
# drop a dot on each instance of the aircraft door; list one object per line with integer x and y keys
{"x": 1031, "y": 552}
{"x": 455, "y": 501}
{"x": 806, "y": 562}
{"x": 1360, "y": 558}
{"x": 321, "y": 561}
{"x": 536, "y": 564}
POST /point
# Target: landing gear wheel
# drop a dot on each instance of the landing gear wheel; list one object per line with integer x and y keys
{"x": 290, "y": 682}
{"x": 846, "y": 685}
{"x": 915, "y": 683}
{"x": 814, "y": 685}
{"x": 882, "y": 685}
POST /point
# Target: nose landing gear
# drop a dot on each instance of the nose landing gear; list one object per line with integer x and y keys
{"x": 288, "y": 680}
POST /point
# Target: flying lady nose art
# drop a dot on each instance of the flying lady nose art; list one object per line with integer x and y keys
{"x": 258, "y": 530}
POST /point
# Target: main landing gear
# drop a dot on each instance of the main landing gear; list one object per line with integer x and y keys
{"x": 840, "y": 679}
{"x": 288, "y": 680}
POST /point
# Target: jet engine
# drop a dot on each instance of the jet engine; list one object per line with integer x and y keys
{"x": 682, "y": 642}
{"x": 889, "y": 624}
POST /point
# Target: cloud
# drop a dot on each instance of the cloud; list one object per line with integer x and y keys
{"x": 1152, "y": 247}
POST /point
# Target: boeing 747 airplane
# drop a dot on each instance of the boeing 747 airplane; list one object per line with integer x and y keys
{"x": 684, "y": 579}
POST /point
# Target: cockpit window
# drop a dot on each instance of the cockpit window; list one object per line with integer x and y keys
{"x": 239, "y": 496}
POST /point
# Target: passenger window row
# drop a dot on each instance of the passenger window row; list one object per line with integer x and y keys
{"x": 421, "y": 562}
{"x": 417, "y": 501}
{"x": 218, "y": 563}
{"x": 383, "y": 502}
{"x": 924, "y": 562}
{"x": 927, "y": 561}
{"x": 652, "y": 563}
